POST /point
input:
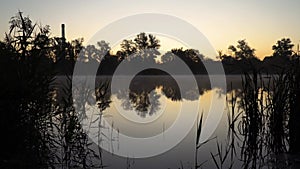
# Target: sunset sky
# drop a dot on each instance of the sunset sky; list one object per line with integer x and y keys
{"x": 260, "y": 22}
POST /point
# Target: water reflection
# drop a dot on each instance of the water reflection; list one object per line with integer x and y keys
{"x": 144, "y": 93}
{"x": 241, "y": 140}
{"x": 249, "y": 118}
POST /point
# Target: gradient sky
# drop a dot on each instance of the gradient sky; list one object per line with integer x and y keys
{"x": 223, "y": 22}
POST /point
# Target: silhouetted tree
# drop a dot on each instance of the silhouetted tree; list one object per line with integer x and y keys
{"x": 21, "y": 33}
{"x": 191, "y": 57}
{"x": 283, "y": 48}
{"x": 281, "y": 58}
{"x": 242, "y": 50}
{"x": 143, "y": 47}
{"x": 246, "y": 58}
{"x": 167, "y": 57}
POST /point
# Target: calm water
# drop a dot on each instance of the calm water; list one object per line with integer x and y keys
{"x": 134, "y": 125}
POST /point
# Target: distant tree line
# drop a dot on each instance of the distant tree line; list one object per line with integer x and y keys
{"x": 31, "y": 43}
{"x": 145, "y": 48}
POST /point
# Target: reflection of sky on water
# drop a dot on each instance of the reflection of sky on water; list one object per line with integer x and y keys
{"x": 159, "y": 122}
{"x": 167, "y": 112}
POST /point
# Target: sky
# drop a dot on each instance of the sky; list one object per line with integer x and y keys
{"x": 260, "y": 22}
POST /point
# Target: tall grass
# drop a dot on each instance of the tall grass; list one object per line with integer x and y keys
{"x": 269, "y": 108}
{"x": 252, "y": 121}
{"x": 278, "y": 110}
{"x": 294, "y": 106}
{"x": 198, "y": 144}
{"x": 262, "y": 119}
{"x": 71, "y": 145}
